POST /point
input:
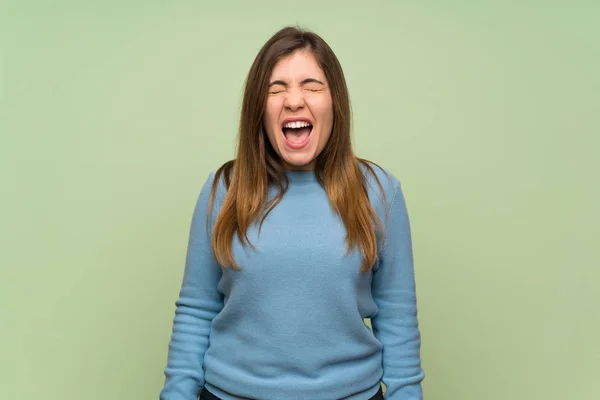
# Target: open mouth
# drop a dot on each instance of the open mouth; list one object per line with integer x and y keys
{"x": 297, "y": 133}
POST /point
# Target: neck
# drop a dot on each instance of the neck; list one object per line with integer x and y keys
{"x": 301, "y": 176}
{"x": 310, "y": 166}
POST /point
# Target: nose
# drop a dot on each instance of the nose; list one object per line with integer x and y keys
{"x": 294, "y": 100}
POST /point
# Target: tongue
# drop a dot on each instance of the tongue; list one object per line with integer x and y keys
{"x": 297, "y": 135}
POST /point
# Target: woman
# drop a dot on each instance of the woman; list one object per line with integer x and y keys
{"x": 292, "y": 245}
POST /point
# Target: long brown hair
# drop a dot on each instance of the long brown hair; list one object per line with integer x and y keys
{"x": 257, "y": 166}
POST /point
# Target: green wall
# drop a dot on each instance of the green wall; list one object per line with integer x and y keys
{"x": 112, "y": 115}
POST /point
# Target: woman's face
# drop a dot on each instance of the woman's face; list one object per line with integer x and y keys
{"x": 298, "y": 117}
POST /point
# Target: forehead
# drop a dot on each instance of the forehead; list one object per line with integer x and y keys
{"x": 298, "y": 65}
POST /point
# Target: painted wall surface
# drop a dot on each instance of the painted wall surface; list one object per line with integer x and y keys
{"x": 113, "y": 113}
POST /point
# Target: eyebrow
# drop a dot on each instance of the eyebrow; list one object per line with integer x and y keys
{"x": 305, "y": 81}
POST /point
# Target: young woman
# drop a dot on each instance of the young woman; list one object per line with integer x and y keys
{"x": 292, "y": 245}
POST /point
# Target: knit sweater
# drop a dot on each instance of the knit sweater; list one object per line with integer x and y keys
{"x": 290, "y": 324}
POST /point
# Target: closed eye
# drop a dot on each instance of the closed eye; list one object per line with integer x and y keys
{"x": 309, "y": 84}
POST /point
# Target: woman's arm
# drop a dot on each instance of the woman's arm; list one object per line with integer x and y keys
{"x": 395, "y": 324}
{"x": 198, "y": 303}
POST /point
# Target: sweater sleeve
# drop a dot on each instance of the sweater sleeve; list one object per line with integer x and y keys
{"x": 198, "y": 303}
{"x": 395, "y": 324}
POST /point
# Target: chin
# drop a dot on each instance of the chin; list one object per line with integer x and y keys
{"x": 299, "y": 163}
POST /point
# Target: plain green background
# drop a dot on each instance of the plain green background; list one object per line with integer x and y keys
{"x": 113, "y": 113}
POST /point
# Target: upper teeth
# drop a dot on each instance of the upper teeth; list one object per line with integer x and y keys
{"x": 296, "y": 124}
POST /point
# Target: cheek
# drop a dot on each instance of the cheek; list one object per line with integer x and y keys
{"x": 272, "y": 111}
{"x": 322, "y": 109}
{"x": 270, "y": 120}
{"x": 326, "y": 116}
{"x": 272, "y": 136}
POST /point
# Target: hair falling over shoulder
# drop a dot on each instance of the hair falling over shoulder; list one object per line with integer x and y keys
{"x": 257, "y": 166}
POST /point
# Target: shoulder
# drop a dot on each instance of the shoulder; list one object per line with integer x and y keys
{"x": 218, "y": 180}
{"x": 213, "y": 188}
{"x": 379, "y": 181}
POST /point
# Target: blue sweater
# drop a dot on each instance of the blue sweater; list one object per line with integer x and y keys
{"x": 289, "y": 325}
